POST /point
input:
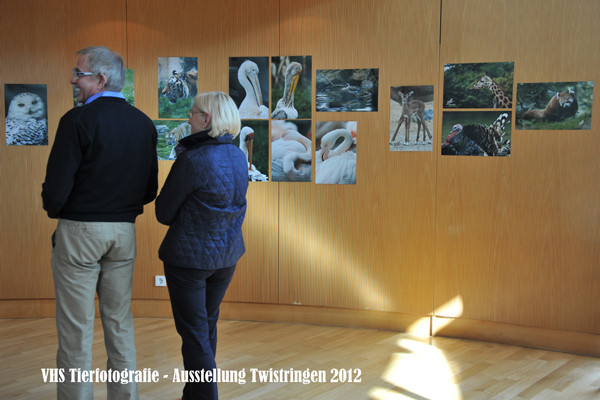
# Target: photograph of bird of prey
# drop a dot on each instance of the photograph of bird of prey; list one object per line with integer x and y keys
{"x": 26, "y": 114}
{"x": 291, "y": 83}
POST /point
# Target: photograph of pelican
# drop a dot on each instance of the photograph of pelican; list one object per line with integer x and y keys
{"x": 291, "y": 84}
{"x": 253, "y": 140}
{"x": 291, "y": 151}
{"x": 342, "y": 90}
{"x": 335, "y": 155}
{"x": 177, "y": 86}
{"x": 249, "y": 86}
{"x": 411, "y": 106}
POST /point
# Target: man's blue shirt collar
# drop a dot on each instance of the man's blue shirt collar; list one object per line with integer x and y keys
{"x": 106, "y": 93}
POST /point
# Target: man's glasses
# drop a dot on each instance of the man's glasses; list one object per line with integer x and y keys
{"x": 79, "y": 74}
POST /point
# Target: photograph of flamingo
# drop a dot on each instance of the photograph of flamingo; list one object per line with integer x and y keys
{"x": 342, "y": 90}
{"x": 291, "y": 84}
{"x": 291, "y": 151}
{"x": 335, "y": 155}
{"x": 249, "y": 86}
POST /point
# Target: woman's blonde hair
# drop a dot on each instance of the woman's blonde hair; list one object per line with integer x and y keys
{"x": 224, "y": 114}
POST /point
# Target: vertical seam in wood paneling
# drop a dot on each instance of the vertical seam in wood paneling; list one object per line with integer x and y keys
{"x": 436, "y": 158}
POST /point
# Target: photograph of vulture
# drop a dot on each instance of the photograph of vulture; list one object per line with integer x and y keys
{"x": 476, "y": 134}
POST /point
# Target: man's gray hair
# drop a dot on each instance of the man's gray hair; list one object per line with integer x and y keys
{"x": 103, "y": 60}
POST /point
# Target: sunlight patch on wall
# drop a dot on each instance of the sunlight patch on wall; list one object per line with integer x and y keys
{"x": 336, "y": 265}
{"x": 453, "y": 307}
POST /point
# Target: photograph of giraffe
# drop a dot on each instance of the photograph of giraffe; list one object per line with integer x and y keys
{"x": 479, "y": 85}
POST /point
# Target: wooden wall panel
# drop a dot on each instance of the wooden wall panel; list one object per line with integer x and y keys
{"x": 38, "y": 47}
{"x": 513, "y": 241}
{"x": 369, "y": 245}
{"x": 212, "y": 34}
{"x": 517, "y": 238}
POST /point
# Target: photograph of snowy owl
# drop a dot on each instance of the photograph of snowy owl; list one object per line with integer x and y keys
{"x": 26, "y": 114}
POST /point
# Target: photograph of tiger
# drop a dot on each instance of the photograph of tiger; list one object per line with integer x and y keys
{"x": 478, "y": 133}
{"x": 169, "y": 134}
{"x": 177, "y": 85}
{"x": 554, "y": 105}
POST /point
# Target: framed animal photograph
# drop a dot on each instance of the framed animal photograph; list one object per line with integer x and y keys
{"x": 26, "y": 114}
{"x": 554, "y": 105}
{"x": 291, "y": 150}
{"x": 479, "y": 85}
{"x": 342, "y": 90}
{"x": 177, "y": 86}
{"x": 249, "y": 86}
{"x": 253, "y": 140}
{"x": 169, "y": 133}
{"x": 476, "y": 133}
{"x": 335, "y": 152}
{"x": 291, "y": 87}
{"x": 411, "y": 118}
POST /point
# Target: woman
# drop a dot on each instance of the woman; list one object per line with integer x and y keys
{"x": 204, "y": 203}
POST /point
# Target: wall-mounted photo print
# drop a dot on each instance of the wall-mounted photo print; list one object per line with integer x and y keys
{"x": 555, "y": 105}
{"x": 26, "y": 114}
{"x": 335, "y": 154}
{"x": 177, "y": 86}
{"x": 347, "y": 90}
{"x": 411, "y": 118}
{"x": 128, "y": 89}
{"x": 476, "y": 133}
{"x": 254, "y": 141}
{"x": 169, "y": 134}
{"x": 479, "y": 85}
{"x": 291, "y": 151}
{"x": 291, "y": 84}
{"x": 249, "y": 86}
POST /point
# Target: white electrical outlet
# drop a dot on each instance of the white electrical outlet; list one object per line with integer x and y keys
{"x": 159, "y": 280}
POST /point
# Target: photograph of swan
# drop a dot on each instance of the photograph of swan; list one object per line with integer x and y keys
{"x": 291, "y": 87}
{"x": 335, "y": 157}
{"x": 249, "y": 86}
{"x": 291, "y": 154}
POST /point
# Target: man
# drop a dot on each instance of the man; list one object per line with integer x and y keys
{"x": 101, "y": 171}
